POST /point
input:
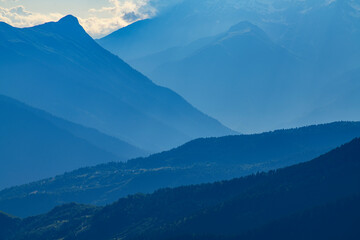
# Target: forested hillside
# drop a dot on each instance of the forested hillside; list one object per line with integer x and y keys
{"x": 222, "y": 209}
{"x": 199, "y": 161}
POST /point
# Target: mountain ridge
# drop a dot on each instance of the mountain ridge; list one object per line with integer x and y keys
{"x": 226, "y": 71}
{"x": 92, "y": 87}
{"x": 199, "y": 161}
{"x": 32, "y": 138}
{"x": 218, "y": 210}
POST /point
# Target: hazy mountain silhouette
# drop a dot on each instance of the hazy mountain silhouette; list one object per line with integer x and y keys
{"x": 178, "y": 25}
{"x": 8, "y": 225}
{"x": 57, "y": 67}
{"x": 224, "y": 209}
{"x": 323, "y": 34}
{"x": 331, "y": 221}
{"x": 199, "y": 161}
{"x": 35, "y": 145}
{"x": 339, "y": 100}
{"x": 244, "y": 78}
{"x": 190, "y": 20}
{"x": 327, "y": 37}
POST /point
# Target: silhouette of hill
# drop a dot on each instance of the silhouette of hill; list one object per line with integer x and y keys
{"x": 233, "y": 88}
{"x": 8, "y": 225}
{"x": 224, "y": 209}
{"x": 321, "y": 35}
{"x": 58, "y": 68}
{"x": 199, "y": 161}
{"x": 35, "y": 145}
{"x": 178, "y": 25}
{"x": 324, "y": 35}
{"x": 332, "y": 221}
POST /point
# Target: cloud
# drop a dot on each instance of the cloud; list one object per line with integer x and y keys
{"x": 121, "y": 7}
{"x": 100, "y": 22}
{"x": 19, "y": 17}
{"x": 119, "y": 14}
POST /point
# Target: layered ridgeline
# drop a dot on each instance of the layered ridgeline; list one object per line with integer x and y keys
{"x": 35, "y": 145}
{"x": 190, "y": 20}
{"x": 317, "y": 199}
{"x": 244, "y": 78}
{"x": 58, "y": 68}
{"x": 321, "y": 34}
{"x": 199, "y": 161}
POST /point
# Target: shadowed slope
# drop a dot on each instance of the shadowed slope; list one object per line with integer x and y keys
{"x": 57, "y": 67}
{"x": 219, "y": 210}
{"x": 35, "y": 145}
{"x": 199, "y": 161}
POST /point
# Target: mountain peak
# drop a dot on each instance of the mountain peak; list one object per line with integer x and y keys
{"x": 244, "y": 26}
{"x": 68, "y": 25}
{"x": 69, "y": 19}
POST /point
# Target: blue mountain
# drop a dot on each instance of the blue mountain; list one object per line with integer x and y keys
{"x": 177, "y": 25}
{"x": 321, "y": 35}
{"x": 59, "y": 68}
{"x": 199, "y": 161}
{"x": 243, "y": 76}
{"x": 188, "y": 20}
{"x": 35, "y": 145}
{"x": 313, "y": 200}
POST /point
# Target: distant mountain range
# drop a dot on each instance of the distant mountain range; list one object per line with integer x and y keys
{"x": 35, "y": 145}
{"x": 243, "y": 77}
{"x": 179, "y": 25}
{"x": 58, "y": 68}
{"x": 317, "y": 199}
{"x": 199, "y": 161}
{"x": 271, "y": 70}
{"x": 91, "y": 148}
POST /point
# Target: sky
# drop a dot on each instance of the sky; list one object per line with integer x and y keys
{"x": 98, "y": 17}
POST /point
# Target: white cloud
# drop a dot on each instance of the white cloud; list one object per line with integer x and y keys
{"x": 19, "y": 17}
{"x": 119, "y": 14}
{"x": 99, "y": 22}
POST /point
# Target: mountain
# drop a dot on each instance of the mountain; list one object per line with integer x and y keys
{"x": 327, "y": 37}
{"x": 199, "y": 161}
{"x": 339, "y": 100}
{"x": 59, "y": 68}
{"x": 8, "y": 225}
{"x": 320, "y": 36}
{"x": 150, "y": 62}
{"x": 300, "y": 25}
{"x": 187, "y": 21}
{"x": 224, "y": 209}
{"x": 235, "y": 72}
{"x": 316, "y": 223}
{"x": 180, "y": 24}
{"x": 33, "y": 139}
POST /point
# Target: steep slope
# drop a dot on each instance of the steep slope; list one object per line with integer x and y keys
{"x": 284, "y": 192}
{"x": 225, "y": 209}
{"x": 149, "y": 63}
{"x": 190, "y": 20}
{"x": 57, "y": 67}
{"x": 8, "y": 225}
{"x": 124, "y": 151}
{"x": 35, "y": 145}
{"x": 199, "y": 161}
{"x": 181, "y": 24}
{"x": 323, "y": 34}
{"x": 332, "y": 221}
{"x": 246, "y": 80}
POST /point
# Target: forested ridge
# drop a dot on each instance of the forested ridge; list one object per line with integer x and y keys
{"x": 220, "y": 210}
